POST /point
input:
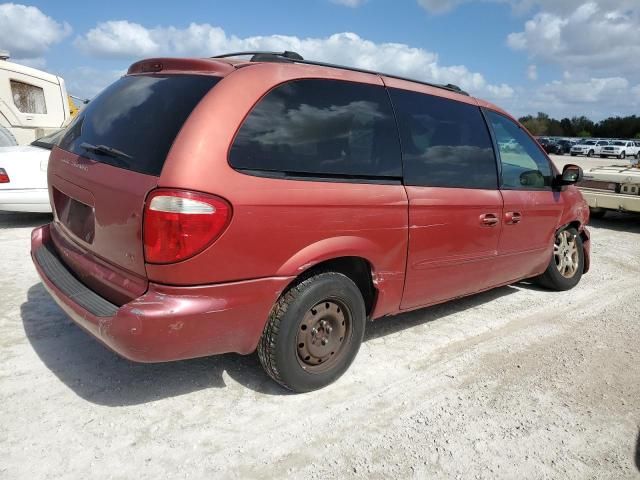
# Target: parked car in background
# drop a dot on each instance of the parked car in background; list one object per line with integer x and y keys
{"x": 23, "y": 175}
{"x": 206, "y": 206}
{"x": 612, "y": 188}
{"x": 550, "y": 146}
{"x": 564, "y": 146}
{"x": 588, "y": 148}
{"x": 621, "y": 149}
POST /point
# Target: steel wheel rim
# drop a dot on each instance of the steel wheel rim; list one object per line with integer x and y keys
{"x": 323, "y": 335}
{"x": 565, "y": 254}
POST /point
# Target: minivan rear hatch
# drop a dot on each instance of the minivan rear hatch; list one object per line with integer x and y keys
{"x": 107, "y": 162}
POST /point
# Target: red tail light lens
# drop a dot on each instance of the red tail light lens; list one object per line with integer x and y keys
{"x": 4, "y": 178}
{"x": 179, "y": 224}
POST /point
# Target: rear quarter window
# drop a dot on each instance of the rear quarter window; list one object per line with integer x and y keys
{"x": 140, "y": 116}
{"x": 320, "y": 129}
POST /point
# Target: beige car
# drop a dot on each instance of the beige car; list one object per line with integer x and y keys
{"x": 615, "y": 187}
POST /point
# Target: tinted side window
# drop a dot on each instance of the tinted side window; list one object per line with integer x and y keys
{"x": 524, "y": 166}
{"x": 320, "y": 127}
{"x": 444, "y": 143}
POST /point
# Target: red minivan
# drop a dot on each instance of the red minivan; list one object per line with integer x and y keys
{"x": 205, "y": 206}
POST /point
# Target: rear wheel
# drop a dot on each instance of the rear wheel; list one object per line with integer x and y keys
{"x": 314, "y": 332}
{"x": 567, "y": 261}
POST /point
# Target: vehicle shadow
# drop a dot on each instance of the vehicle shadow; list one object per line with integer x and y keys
{"x": 100, "y": 376}
{"x": 390, "y": 325}
{"x": 16, "y": 220}
{"x": 618, "y": 221}
{"x": 637, "y": 456}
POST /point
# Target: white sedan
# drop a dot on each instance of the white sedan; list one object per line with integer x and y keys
{"x": 23, "y": 175}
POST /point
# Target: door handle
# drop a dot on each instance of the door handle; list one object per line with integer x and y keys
{"x": 489, "y": 219}
{"x": 511, "y": 218}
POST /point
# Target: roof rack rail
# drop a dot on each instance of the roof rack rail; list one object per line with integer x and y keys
{"x": 265, "y": 56}
{"x": 294, "y": 57}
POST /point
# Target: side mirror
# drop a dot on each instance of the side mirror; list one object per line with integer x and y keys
{"x": 571, "y": 174}
{"x": 532, "y": 178}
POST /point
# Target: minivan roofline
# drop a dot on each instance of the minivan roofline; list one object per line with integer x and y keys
{"x": 224, "y": 65}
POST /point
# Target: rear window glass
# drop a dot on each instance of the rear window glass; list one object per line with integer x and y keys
{"x": 445, "y": 143}
{"x": 137, "y": 118}
{"x": 49, "y": 141}
{"x": 321, "y": 128}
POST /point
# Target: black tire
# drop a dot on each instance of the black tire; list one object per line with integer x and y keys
{"x": 573, "y": 154}
{"x": 622, "y": 156}
{"x": 603, "y": 156}
{"x": 590, "y": 153}
{"x": 597, "y": 213}
{"x": 552, "y": 278}
{"x": 280, "y": 346}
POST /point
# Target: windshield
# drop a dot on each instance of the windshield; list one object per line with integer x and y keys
{"x": 589, "y": 143}
{"x": 49, "y": 141}
{"x": 618, "y": 143}
{"x": 133, "y": 123}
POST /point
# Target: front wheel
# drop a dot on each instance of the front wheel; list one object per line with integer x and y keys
{"x": 622, "y": 156}
{"x": 590, "y": 154}
{"x": 567, "y": 262}
{"x": 314, "y": 332}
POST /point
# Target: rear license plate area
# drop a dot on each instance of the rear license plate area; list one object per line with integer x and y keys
{"x": 76, "y": 216}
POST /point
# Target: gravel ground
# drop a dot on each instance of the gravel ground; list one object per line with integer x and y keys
{"x": 513, "y": 383}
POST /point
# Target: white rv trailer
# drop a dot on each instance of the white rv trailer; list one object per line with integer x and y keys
{"x": 33, "y": 103}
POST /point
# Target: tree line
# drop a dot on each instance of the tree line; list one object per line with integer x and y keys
{"x": 612, "y": 127}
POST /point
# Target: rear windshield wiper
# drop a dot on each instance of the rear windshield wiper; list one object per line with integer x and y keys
{"x": 103, "y": 149}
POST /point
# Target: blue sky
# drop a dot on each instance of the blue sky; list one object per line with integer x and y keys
{"x": 564, "y": 57}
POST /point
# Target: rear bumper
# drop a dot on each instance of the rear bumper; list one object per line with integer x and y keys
{"x": 611, "y": 201}
{"x": 166, "y": 323}
{"x": 25, "y": 200}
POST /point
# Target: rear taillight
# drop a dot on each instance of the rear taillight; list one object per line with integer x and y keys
{"x": 4, "y": 178}
{"x": 179, "y": 224}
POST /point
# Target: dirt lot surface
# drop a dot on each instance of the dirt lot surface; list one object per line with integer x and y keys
{"x": 513, "y": 383}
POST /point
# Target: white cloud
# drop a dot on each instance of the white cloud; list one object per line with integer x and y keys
{"x": 596, "y": 97}
{"x": 521, "y": 7}
{"x": 594, "y": 90}
{"x": 589, "y": 39}
{"x": 118, "y": 38}
{"x": 27, "y": 32}
{"x": 532, "y": 72}
{"x": 130, "y": 40}
{"x": 349, "y": 3}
